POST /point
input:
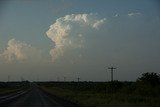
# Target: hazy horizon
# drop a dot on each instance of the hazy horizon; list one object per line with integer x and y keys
{"x": 51, "y": 39}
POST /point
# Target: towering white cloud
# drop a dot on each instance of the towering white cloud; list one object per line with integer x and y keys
{"x": 69, "y": 32}
{"x": 19, "y": 51}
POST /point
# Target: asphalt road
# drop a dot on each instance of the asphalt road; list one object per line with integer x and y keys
{"x": 36, "y": 98}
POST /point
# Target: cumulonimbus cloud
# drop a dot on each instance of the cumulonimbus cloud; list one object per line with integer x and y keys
{"x": 19, "y": 51}
{"x": 68, "y": 32}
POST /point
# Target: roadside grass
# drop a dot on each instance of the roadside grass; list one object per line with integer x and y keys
{"x": 12, "y": 87}
{"x": 7, "y": 90}
{"x": 100, "y": 99}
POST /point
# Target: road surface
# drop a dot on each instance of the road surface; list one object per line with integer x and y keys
{"x": 36, "y": 98}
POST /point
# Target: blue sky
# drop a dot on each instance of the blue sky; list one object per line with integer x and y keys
{"x": 128, "y": 38}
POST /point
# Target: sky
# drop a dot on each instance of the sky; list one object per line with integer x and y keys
{"x": 47, "y": 40}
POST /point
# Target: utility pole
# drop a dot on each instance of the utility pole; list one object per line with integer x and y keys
{"x": 8, "y": 78}
{"x": 111, "y": 68}
{"x": 64, "y": 79}
{"x": 78, "y": 79}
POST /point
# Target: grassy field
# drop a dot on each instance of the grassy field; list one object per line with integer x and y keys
{"x": 111, "y": 94}
{"x": 11, "y": 87}
{"x": 7, "y": 90}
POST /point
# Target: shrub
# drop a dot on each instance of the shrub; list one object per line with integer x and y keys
{"x": 150, "y": 78}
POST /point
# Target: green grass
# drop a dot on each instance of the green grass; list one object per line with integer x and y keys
{"x": 87, "y": 98}
{"x": 7, "y": 90}
{"x": 12, "y": 87}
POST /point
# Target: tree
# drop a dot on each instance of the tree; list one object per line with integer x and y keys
{"x": 151, "y": 78}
